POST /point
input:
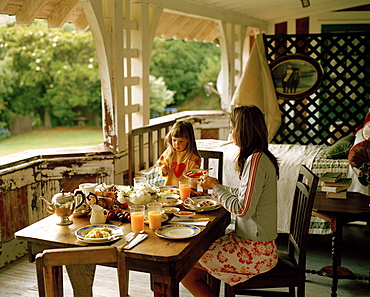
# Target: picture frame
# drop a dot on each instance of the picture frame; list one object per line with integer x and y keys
{"x": 296, "y": 76}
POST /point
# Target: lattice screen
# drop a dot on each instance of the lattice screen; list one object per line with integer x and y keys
{"x": 343, "y": 99}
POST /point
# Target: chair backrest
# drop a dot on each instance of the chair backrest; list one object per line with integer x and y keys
{"x": 207, "y": 157}
{"x": 145, "y": 145}
{"x": 304, "y": 197}
{"x": 49, "y": 266}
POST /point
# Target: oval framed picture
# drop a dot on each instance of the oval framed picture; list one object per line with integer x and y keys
{"x": 296, "y": 76}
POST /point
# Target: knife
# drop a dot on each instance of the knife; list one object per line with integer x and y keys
{"x": 125, "y": 240}
{"x": 139, "y": 238}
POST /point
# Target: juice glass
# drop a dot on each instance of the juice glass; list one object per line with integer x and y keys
{"x": 154, "y": 215}
{"x": 137, "y": 213}
{"x": 184, "y": 187}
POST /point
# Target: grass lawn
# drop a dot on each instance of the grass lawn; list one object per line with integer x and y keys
{"x": 52, "y": 138}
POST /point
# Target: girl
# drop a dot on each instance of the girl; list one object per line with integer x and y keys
{"x": 251, "y": 248}
{"x": 181, "y": 153}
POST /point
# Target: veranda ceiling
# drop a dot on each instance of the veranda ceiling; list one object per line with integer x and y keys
{"x": 182, "y": 19}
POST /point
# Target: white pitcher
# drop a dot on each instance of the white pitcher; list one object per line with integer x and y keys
{"x": 87, "y": 188}
{"x": 97, "y": 214}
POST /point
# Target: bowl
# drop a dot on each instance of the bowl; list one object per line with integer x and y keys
{"x": 184, "y": 214}
{"x": 170, "y": 199}
{"x": 171, "y": 210}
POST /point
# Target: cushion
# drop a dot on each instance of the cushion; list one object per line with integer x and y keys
{"x": 340, "y": 149}
{"x": 359, "y": 157}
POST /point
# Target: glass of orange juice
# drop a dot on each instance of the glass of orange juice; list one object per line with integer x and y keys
{"x": 137, "y": 213}
{"x": 184, "y": 187}
{"x": 154, "y": 215}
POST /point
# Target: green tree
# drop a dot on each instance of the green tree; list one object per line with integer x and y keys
{"x": 51, "y": 74}
{"x": 160, "y": 97}
{"x": 182, "y": 64}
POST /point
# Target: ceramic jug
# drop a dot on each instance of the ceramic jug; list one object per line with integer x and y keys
{"x": 97, "y": 214}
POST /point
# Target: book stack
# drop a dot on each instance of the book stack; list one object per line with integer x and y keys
{"x": 334, "y": 185}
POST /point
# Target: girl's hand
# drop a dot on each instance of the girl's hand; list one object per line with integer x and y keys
{"x": 165, "y": 170}
{"x": 208, "y": 182}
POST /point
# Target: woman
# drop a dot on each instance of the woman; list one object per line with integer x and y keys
{"x": 250, "y": 249}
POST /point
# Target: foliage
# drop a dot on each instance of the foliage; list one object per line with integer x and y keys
{"x": 4, "y": 133}
{"x": 53, "y": 75}
{"x": 47, "y": 71}
{"x": 160, "y": 97}
{"x": 185, "y": 66}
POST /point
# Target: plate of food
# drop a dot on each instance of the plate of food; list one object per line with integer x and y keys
{"x": 177, "y": 231}
{"x": 202, "y": 203}
{"x": 169, "y": 190}
{"x": 99, "y": 233}
{"x": 195, "y": 174}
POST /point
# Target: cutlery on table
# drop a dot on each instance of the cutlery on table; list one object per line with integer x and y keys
{"x": 125, "y": 240}
{"x": 139, "y": 238}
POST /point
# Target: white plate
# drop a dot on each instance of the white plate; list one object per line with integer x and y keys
{"x": 171, "y": 202}
{"x": 164, "y": 218}
{"x": 203, "y": 199}
{"x": 116, "y": 232}
{"x": 177, "y": 231}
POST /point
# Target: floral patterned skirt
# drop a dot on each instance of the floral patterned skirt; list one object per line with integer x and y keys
{"x": 233, "y": 259}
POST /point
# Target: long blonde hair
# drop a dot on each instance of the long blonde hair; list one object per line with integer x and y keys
{"x": 182, "y": 129}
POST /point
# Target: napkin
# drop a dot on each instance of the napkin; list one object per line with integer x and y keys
{"x": 176, "y": 220}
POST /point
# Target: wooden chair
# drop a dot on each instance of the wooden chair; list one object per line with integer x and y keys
{"x": 50, "y": 271}
{"x": 290, "y": 270}
{"x": 145, "y": 145}
{"x": 208, "y": 155}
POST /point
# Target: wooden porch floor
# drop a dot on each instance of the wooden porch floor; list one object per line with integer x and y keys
{"x": 19, "y": 278}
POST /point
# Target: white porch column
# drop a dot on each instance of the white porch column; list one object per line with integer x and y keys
{"x": 232, "y": 59}
{"x": 123, "y": 33}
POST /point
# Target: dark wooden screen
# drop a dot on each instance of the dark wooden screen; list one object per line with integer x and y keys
{"x": 342, "y": 101}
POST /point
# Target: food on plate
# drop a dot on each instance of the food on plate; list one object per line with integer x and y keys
{"x": 185, "y": 213}
{"x": 99, "y": 233}
{"x": 171, "y": 191}
{"x": 205, "y": 203}
{"x": 171, "y": 210}
{"x": 195, "y": 173}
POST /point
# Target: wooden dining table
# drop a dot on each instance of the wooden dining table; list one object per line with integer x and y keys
{"x": 167, "y": 260}
{"x": 340, "y": 212}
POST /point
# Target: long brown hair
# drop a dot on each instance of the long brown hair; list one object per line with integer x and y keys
{"x": 250, "y": 134}
{"x": 182, "y": 129}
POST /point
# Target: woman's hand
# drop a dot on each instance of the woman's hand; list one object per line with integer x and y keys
{"x": 208, "y": 182}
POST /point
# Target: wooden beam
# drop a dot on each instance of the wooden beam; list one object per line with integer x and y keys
{"x": 59, "y": 16}
{"x": 28, "y": 11}
{"x": 206, "y": 11}
{"x": 81, "y": 23}
{"x": 3, "y": 3}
